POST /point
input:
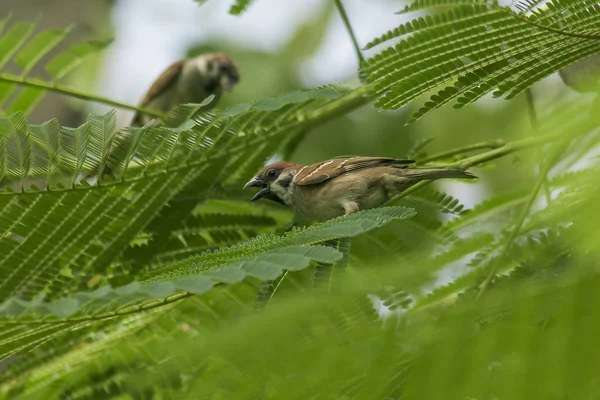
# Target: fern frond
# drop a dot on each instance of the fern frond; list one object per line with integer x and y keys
{"x": 442, "y": 201}
{"x": 473, "y": 50}
{"x": 525, "y": 6}
{"x": 330, "y": 92}
{"x": 130, "y": 298}
{"x": 40, "y": 45}
{"x": 13, "y": 39}
{"x": 205, "y": 232}
{"x": 73, "y": 226}
{"x": 418, "y": 5}
{"x": 27, "y": 56}
{"x": 108, "y": 302}
{"x": 325, "y": 276}
{"x": 346, "y": 226}
{"x": 494, "y": 209}
{"x": 63, "y": 63}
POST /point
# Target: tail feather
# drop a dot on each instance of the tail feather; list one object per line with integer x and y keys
{"x": 437, "y": 173}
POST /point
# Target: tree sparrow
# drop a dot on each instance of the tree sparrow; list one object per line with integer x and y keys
{"x": 342, "y": 185}
{"x": 189, "y": 81}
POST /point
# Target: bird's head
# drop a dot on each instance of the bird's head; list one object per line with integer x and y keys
{"x": 218, "y": 68}
{"x": 275, "y": 181}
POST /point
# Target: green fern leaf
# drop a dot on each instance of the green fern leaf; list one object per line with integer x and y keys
{"x": 13, "y": 40}
{"x": 239, "y": 6}
{"x": 492, "y": 50}
{"x": 38, "y": 46}
{"x": 63, "y": 63}
{"x": 418, "y": 5}
{"x": 492, "y": 209}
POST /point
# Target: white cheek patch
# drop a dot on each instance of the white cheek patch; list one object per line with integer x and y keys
{"x": 282, "y": 187}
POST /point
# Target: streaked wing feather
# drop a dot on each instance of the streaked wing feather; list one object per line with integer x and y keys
{"x": 322, "y": 171}
{"x": 162, "y": 83}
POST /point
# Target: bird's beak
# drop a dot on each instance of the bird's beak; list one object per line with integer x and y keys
{"x": 259, "y": 183}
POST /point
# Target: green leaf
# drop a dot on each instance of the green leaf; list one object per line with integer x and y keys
{"x": 184, "y": 112}
{"x": 478, "y": 48}
{"x": 63, "y": 63}
{"x": 275, "y": 103}
{"x": 195, "y": 284}
{"x": 239, "y": 6}
{"x": 13, "y": 39}
{"x": 39, "y": 46}
{"x": 26, "y": 100}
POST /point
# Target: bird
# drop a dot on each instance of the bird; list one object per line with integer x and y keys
{"x": 189, "y": 81}
{"x": 341, "y": 186}
{"x": 184, "y": 81}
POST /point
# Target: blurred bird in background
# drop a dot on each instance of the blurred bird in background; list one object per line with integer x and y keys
{"x": 184, "y": 81}
{"x": 189, "y": 81}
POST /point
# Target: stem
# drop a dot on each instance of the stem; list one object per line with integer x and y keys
{"x": 493, "y": 144}
{"x": 517, "y": 229}
{"x": 531, "y": 108}
{"x": 534, "y": 125}
{"x": 76, "y": 93}
{"x": 341, "y": 106}
{"x": 344, "y": 16}
{"x": 507, "y": 148}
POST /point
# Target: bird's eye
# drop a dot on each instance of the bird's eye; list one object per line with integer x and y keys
{"x": 223, "y": 68}
{"x": 271, "y": 173}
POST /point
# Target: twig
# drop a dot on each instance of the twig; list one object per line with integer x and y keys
{"x": 344, "y": 16}
{"x": 531, "y": 108}
{"x": 517, "y": 229}
{"x": 492, "y": 144}
{"x": 507, "y": 148}
{"x": 534, "y": 125}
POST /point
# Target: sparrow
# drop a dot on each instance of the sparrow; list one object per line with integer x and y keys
{"x": 185, "y": 81}
{"x": 189, "y": 81}
{"x": 341, "y": 186}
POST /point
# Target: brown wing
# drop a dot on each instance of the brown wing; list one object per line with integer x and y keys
{"x": 162, "y": 83}
{"x": 322, "y": 171}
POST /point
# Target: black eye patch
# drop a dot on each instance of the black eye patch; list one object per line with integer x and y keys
{"x": 285, "y": 182}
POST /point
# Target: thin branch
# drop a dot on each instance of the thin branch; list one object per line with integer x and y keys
{"x": 36, "y": 83}
{"x": 492, "y": 144}
{"x": 534, "y": 125}
{"x": 344, "y": 16}
{"x": 507, "y": 148}
{"x": 531, "y": 107}
{"x": 517, "y": 229}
